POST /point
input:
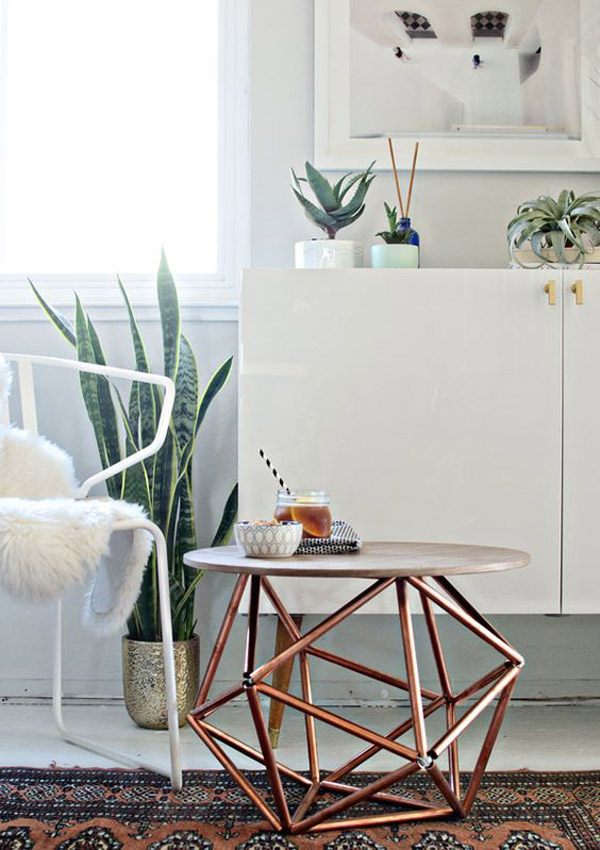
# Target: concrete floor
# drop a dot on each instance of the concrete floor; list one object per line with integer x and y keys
{"x": 539, "y": 737}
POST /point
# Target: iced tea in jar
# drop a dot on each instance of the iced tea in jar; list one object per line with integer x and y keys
{"x": 310, "y": 507}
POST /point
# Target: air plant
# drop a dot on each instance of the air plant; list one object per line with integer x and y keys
{"x": 334, "y": 211}
{"x": 398, "y": 234}
{"x": 553, "y": 226}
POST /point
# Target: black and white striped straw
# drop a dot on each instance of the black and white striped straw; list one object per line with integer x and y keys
{"x": 278, "y": 477}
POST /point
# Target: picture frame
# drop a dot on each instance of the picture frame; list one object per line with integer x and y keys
{"x": 336, "y": 148}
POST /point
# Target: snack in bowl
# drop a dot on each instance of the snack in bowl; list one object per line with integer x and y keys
{"x": 268, "y": 538}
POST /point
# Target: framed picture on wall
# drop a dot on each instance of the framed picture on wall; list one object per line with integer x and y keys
{"x": 515, "y": 87}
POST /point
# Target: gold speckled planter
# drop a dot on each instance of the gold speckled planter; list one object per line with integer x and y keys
{"x": 144, "y": 680}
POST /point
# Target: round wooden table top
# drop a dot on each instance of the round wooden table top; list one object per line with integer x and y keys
{"x": 375, "y": 560}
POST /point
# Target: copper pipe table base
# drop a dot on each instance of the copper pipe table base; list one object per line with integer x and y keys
{"x": 423, "y": 756}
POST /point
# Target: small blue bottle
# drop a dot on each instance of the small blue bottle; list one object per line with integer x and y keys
{"x": 404, "y": 226}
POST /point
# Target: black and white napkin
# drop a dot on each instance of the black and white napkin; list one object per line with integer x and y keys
{"x": 343, "y": 539}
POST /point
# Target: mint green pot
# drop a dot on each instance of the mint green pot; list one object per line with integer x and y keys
{"x": 395, "y": 256}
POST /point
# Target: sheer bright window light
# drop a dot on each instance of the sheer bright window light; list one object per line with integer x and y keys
{"x": 109, "y": 136}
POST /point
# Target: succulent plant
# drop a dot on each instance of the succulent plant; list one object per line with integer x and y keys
{"x": 397, "y": 234}
{"x": 334, "y": 211}
{"x": 551, "y": 225}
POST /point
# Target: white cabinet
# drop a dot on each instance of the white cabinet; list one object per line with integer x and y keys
{"x": 427, "y": 401}
{"x": 581, "y": 488}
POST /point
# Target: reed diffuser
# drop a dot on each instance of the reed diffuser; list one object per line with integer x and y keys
{"x": 401, "y": 241}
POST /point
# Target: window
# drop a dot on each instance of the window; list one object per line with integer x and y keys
{"x": 114, "y": 124}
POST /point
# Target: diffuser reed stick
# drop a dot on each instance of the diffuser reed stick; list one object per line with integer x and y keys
{"x": 412, "y": 179}
{"x": 391, "y": 147}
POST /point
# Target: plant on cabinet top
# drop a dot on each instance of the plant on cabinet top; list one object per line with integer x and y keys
{"x": 334, "y": 211}
{"x": 565, "y": 230}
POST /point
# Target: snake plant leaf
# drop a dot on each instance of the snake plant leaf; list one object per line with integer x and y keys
{"x": 228, "y": 518}
{"x": 135, "y": 487}
{"x": 107, "y": 407}
{"x": 145, "y": 399}
{"x": 170, "y": 316}
{"x": 187, "y": 391}
{"x": 58, "y": 320}
{"x": 296, "y": 181}
{"x": 90, "y": 388}
{"x": 321, "y": 187}
{"x": 212, "y": 389}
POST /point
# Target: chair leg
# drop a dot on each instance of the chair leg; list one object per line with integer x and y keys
{"x": 174, "y": 773}
{"x": 281, "y": 679}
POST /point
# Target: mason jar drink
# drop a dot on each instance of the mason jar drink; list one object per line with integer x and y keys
{"x": 310, "y": 507}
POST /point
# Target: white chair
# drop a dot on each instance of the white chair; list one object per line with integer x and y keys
{"x": 25, "y": 365}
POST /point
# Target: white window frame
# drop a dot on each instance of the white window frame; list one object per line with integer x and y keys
{"x": 205, "y": 296}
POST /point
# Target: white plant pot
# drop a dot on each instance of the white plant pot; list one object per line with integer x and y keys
{"x": 395, "y": 256}
{"x": 328, "y": 254}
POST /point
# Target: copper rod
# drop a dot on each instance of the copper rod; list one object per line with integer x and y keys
{"x": 380, "y": 797}
{"x": 249, "y": 658}
{"x": 380, "y": 676}
{"x": 269, "y": 756}
{"x": 453, "y": 764}
{"x": 217, "y": 653}
{"x": 306, "y": 802}
{"x": 481, "y": 683}
{"x": 436, "y": 646}
{"x": 488, "y": 744}
{"x": 338, "y": 722}
{"x": 208, "y": 707}
{"x": 324, "y": 626}
{"x": 378, "y": 820}
{"x": 467, "y": 620}
{"x": 357, "y": 760}
{"x": 473, "y": 712}
{"x": 309, "y": 721}
{"x": 464, "y": 603}
{"x": 412, "y": 669}
{"x": 412, "y": 178}
{"x": 352, "y": 799}
{"x": 442, "y": 783}
{"x": 324, "y": 655}
{"x": 249, "y": 751}
{"x": 399, "y": 193}
{"x": 237, "y": 774}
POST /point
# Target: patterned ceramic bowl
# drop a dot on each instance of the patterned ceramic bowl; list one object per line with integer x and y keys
{"x": 268, "y": 541}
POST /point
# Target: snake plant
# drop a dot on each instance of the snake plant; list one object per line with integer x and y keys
{"x": 163, "y": 483}
{"x": 334, "y": 211}
{"x": 551, "y": 226}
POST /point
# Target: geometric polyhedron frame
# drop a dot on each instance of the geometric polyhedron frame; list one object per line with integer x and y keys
{"x": 499, "y": 684}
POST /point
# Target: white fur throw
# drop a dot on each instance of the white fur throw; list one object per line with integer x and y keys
{"x": 49, "y": 540}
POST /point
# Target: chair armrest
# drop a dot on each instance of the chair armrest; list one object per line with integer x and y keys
{"x": 113, "y": 372}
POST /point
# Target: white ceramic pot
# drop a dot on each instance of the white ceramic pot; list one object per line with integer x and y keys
{"x": 268, "y": 541}
{"x": 328, "y": 254}
{"x": 395, "y": 256}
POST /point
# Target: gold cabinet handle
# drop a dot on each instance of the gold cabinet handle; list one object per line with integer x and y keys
{"x": 550, "y": 290}
{"x": 577, "y": 289}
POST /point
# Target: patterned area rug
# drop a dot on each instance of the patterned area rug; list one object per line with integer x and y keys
{"x": 112, "y": 809}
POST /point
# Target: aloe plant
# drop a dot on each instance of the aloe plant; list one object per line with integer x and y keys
{"x": 397, "y": 234}
{"x": 551, "y": 226}
{"x": 163, "y": 483}
{"x": 335, "y": 209}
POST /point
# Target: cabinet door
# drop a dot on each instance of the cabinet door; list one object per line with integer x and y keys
{"x": 581, "y": 529}
{"x": 427, "y": 401}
